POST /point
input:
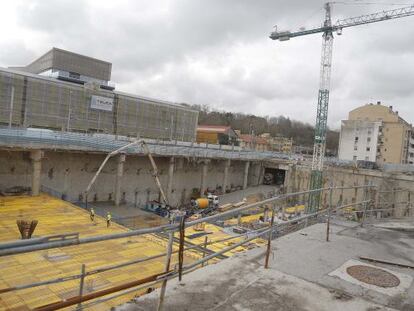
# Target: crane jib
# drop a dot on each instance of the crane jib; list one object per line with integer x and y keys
{"x": 348, "y": 22}
{"x": 323, "y": 97}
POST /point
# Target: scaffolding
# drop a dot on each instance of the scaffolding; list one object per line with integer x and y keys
{"x": 28, "y": 100}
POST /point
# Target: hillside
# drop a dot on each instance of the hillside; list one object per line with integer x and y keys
{"x": 302, "y": 133}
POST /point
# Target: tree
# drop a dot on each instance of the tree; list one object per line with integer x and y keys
{"x": 301, "y": 133}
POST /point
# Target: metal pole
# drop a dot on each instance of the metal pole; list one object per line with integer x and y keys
{"x": 328, "y": 222}
{"x": 205, "y": 250}
{"x": 167, "y": 268}
{"x": 365, "y": 208}
{"x": 393, "y": 202}
{"x": 181, "y": 249}
{"x": 269, "y": 240}
{"x": 82, "y": 280}
{"x": 11, "y": 107}
{"x": 69, "y": 112}
{"x": 377, "y": 200}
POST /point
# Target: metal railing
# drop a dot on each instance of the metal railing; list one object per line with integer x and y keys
{"x": 24, "y": 246}
{"x": 48, "y": 139}
{"x": 31, "y": 138}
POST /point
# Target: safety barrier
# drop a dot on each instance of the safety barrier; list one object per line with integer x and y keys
{"x": 43, "y": 243}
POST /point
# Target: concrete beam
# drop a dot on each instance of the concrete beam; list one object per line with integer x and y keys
{"x": 118, "y": 178}
{"x": 36, "y": 156}
{"x": 170, "y": 179}
{"x": 246, "y": 174}
{"x": 226, "y": 175}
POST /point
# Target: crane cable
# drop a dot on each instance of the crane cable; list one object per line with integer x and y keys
{"x": 358, "y": 2}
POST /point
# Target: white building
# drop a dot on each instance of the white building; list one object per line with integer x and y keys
{"x": 410, "y": 157}
{"x": 359, "y": 140}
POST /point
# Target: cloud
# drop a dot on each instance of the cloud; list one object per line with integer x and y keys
{"x": 218, "y": 52}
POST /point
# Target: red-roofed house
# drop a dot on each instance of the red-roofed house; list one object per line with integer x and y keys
{"x": 253, "y": 142}
{"x": 216, "y": 134}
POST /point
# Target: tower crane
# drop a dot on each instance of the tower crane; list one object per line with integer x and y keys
{"x": 327, "y": 30}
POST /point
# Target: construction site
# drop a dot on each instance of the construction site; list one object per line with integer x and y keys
{"x": 108, "y": 202}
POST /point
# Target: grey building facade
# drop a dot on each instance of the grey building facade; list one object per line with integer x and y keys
{"x": 43, "y": 95}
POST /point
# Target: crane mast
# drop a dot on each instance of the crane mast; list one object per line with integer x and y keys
{"x": 316, "y": 181}
{"x": 321, "y": 112}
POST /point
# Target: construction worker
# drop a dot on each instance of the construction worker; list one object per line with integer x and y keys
{"x": 108, "y": 219}
{"x": 92, "y": 214}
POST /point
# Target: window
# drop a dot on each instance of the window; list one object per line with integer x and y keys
{"x": 355, "y": 157}
{"x": 368, "y": 139}
{"x": 74, "y": 75}
{"x": 385, "y": 160}
{"x": 355, "y": 148}
{"x": 385, "y": 149}
{"x": 356, "y": 138}
{"x": 369, "y": 132}
{"x": 368, "y": 149}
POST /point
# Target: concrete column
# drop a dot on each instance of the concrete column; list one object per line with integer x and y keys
{"x": 226, "y": 175}
{"x": 203, "y": 185}
{"x": 66, "y": 184}
{"x": 289, "y": 184}
{"x": 36, "y": 156}
{"x": 246, "y": 174}
{"x": 118, "y": 179}
{"x": 170, "y": 179}
{"x": 261, "y": 173}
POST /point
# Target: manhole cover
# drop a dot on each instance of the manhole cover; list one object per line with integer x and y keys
{"x": 373, "y": 276}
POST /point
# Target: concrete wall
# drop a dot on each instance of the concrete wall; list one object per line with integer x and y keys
{"x": 299, "y": 177}
{"x": 70, "y": 173}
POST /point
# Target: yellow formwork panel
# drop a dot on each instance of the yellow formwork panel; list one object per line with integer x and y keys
{"x": 256, "y": 217}
{"x": 59, "y": 217}
{"x": 215, "y": 233}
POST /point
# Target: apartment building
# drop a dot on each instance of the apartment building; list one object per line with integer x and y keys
{"x": 376, "y": 133}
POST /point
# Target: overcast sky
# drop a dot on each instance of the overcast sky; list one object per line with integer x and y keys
{"x": 217, "y": 52}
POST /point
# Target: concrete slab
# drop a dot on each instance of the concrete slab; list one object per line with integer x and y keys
{"x": 405, "y": 280}
{"x": 239, "y": 284}
{"x": 298, "y": 278}
{"x": 403, "y": 226}
{"x": 128, "y": 215}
